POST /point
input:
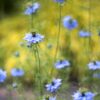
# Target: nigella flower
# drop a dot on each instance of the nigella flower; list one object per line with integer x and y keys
{"x": 59, "y": 1}
{"x": 54, "y": 85}
{"x": 32, "y": 8}
{"x": 2, "y": 76}
{"x": 70, "y": 23}
{"x": 33, "y": 38}
{"x": 83, "y": 96}
{"x": 84, "y": 34}
{"x": 17, "y": 72}
{"x": 94, "y": 65}
{"x": 62, "y": 63}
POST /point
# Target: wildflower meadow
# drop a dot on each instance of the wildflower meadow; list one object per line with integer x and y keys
{"x": 50, "y": 50}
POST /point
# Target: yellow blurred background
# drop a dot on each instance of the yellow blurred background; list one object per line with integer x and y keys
{"x": 14, "y": 27}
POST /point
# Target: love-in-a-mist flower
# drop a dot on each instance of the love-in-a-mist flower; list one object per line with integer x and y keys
{"x": 33, "y": 37}
{"x": 59, "y": 1}
{"x": 54, "y": 85}
{"x": 83, "y": 96}
{"x": 95, "y": 65}
{"x": 17, "y": 72}
{"x": 32, "y": 8}
{"x": 70, "y": 23}
{"x": 84, "y": 34}
{"x": 2, "y": 76}
{"x": 62, "y": 64}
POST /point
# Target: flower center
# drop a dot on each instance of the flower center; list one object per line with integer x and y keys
{"x": 70, "y": 21}
{"x": 61, "y": 61}
{"x": 94, "y": 62}
{"x": 18, "y": 70}
{"x": 53, "y": 83}
{"x": 83, "y": 94}
{"x": 33, "y": 34}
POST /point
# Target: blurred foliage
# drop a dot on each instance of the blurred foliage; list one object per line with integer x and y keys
{"x": 14, "y": 28}
{"x": 8, "y": 7}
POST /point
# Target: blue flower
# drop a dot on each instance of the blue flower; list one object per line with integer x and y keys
{"x": 32, "y": 38}
{"x": 84, "y": 34}
{"x": 69, "y": 22}
{"x": 32, "y": 9}
{"x": 94, "y": 65}
{"x": 59, "y": 1}
{"x": 62, "y": 63}
{"x": 2, "y": 76}
{"x": 17, "y": 72}
{"x": 54, "y": 85}
{"x": 83, "y": 96}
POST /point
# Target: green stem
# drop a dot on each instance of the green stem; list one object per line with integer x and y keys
{"x": 68, "y": 44}
{"x": 32, "y": 18}
{"x": 39, "y": 70}
{"x": 90, "y": 44}
{"x": 10, "y": 94}
{"x": 59, "y": 30}
{"x": 58, "y": 37}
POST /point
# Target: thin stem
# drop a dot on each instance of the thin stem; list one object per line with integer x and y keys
{"x": 90, "y": 29}
{"x": 68, "y": 44}
{"x": 58, "y": 36}
{"x": 10, "y": 94}
{"x": 32, "y": 19}
{"x": 37, "y": 59}
{"x": 39, "y": 70}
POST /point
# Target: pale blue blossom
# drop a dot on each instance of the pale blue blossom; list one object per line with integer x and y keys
{"x": 95, "y": 65}
{"x": 32, "y": 38}
{"x": 32, "y": 8}
{"x": 70, "y": 23}
{"x": 17, "y": 72}
{"x": 83, "y": 96}
{"x": 84, "y": 34}
{"x": 3, "y": 76}
{"x": 62, "y": 64}
{"x": 54, "y": 85}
